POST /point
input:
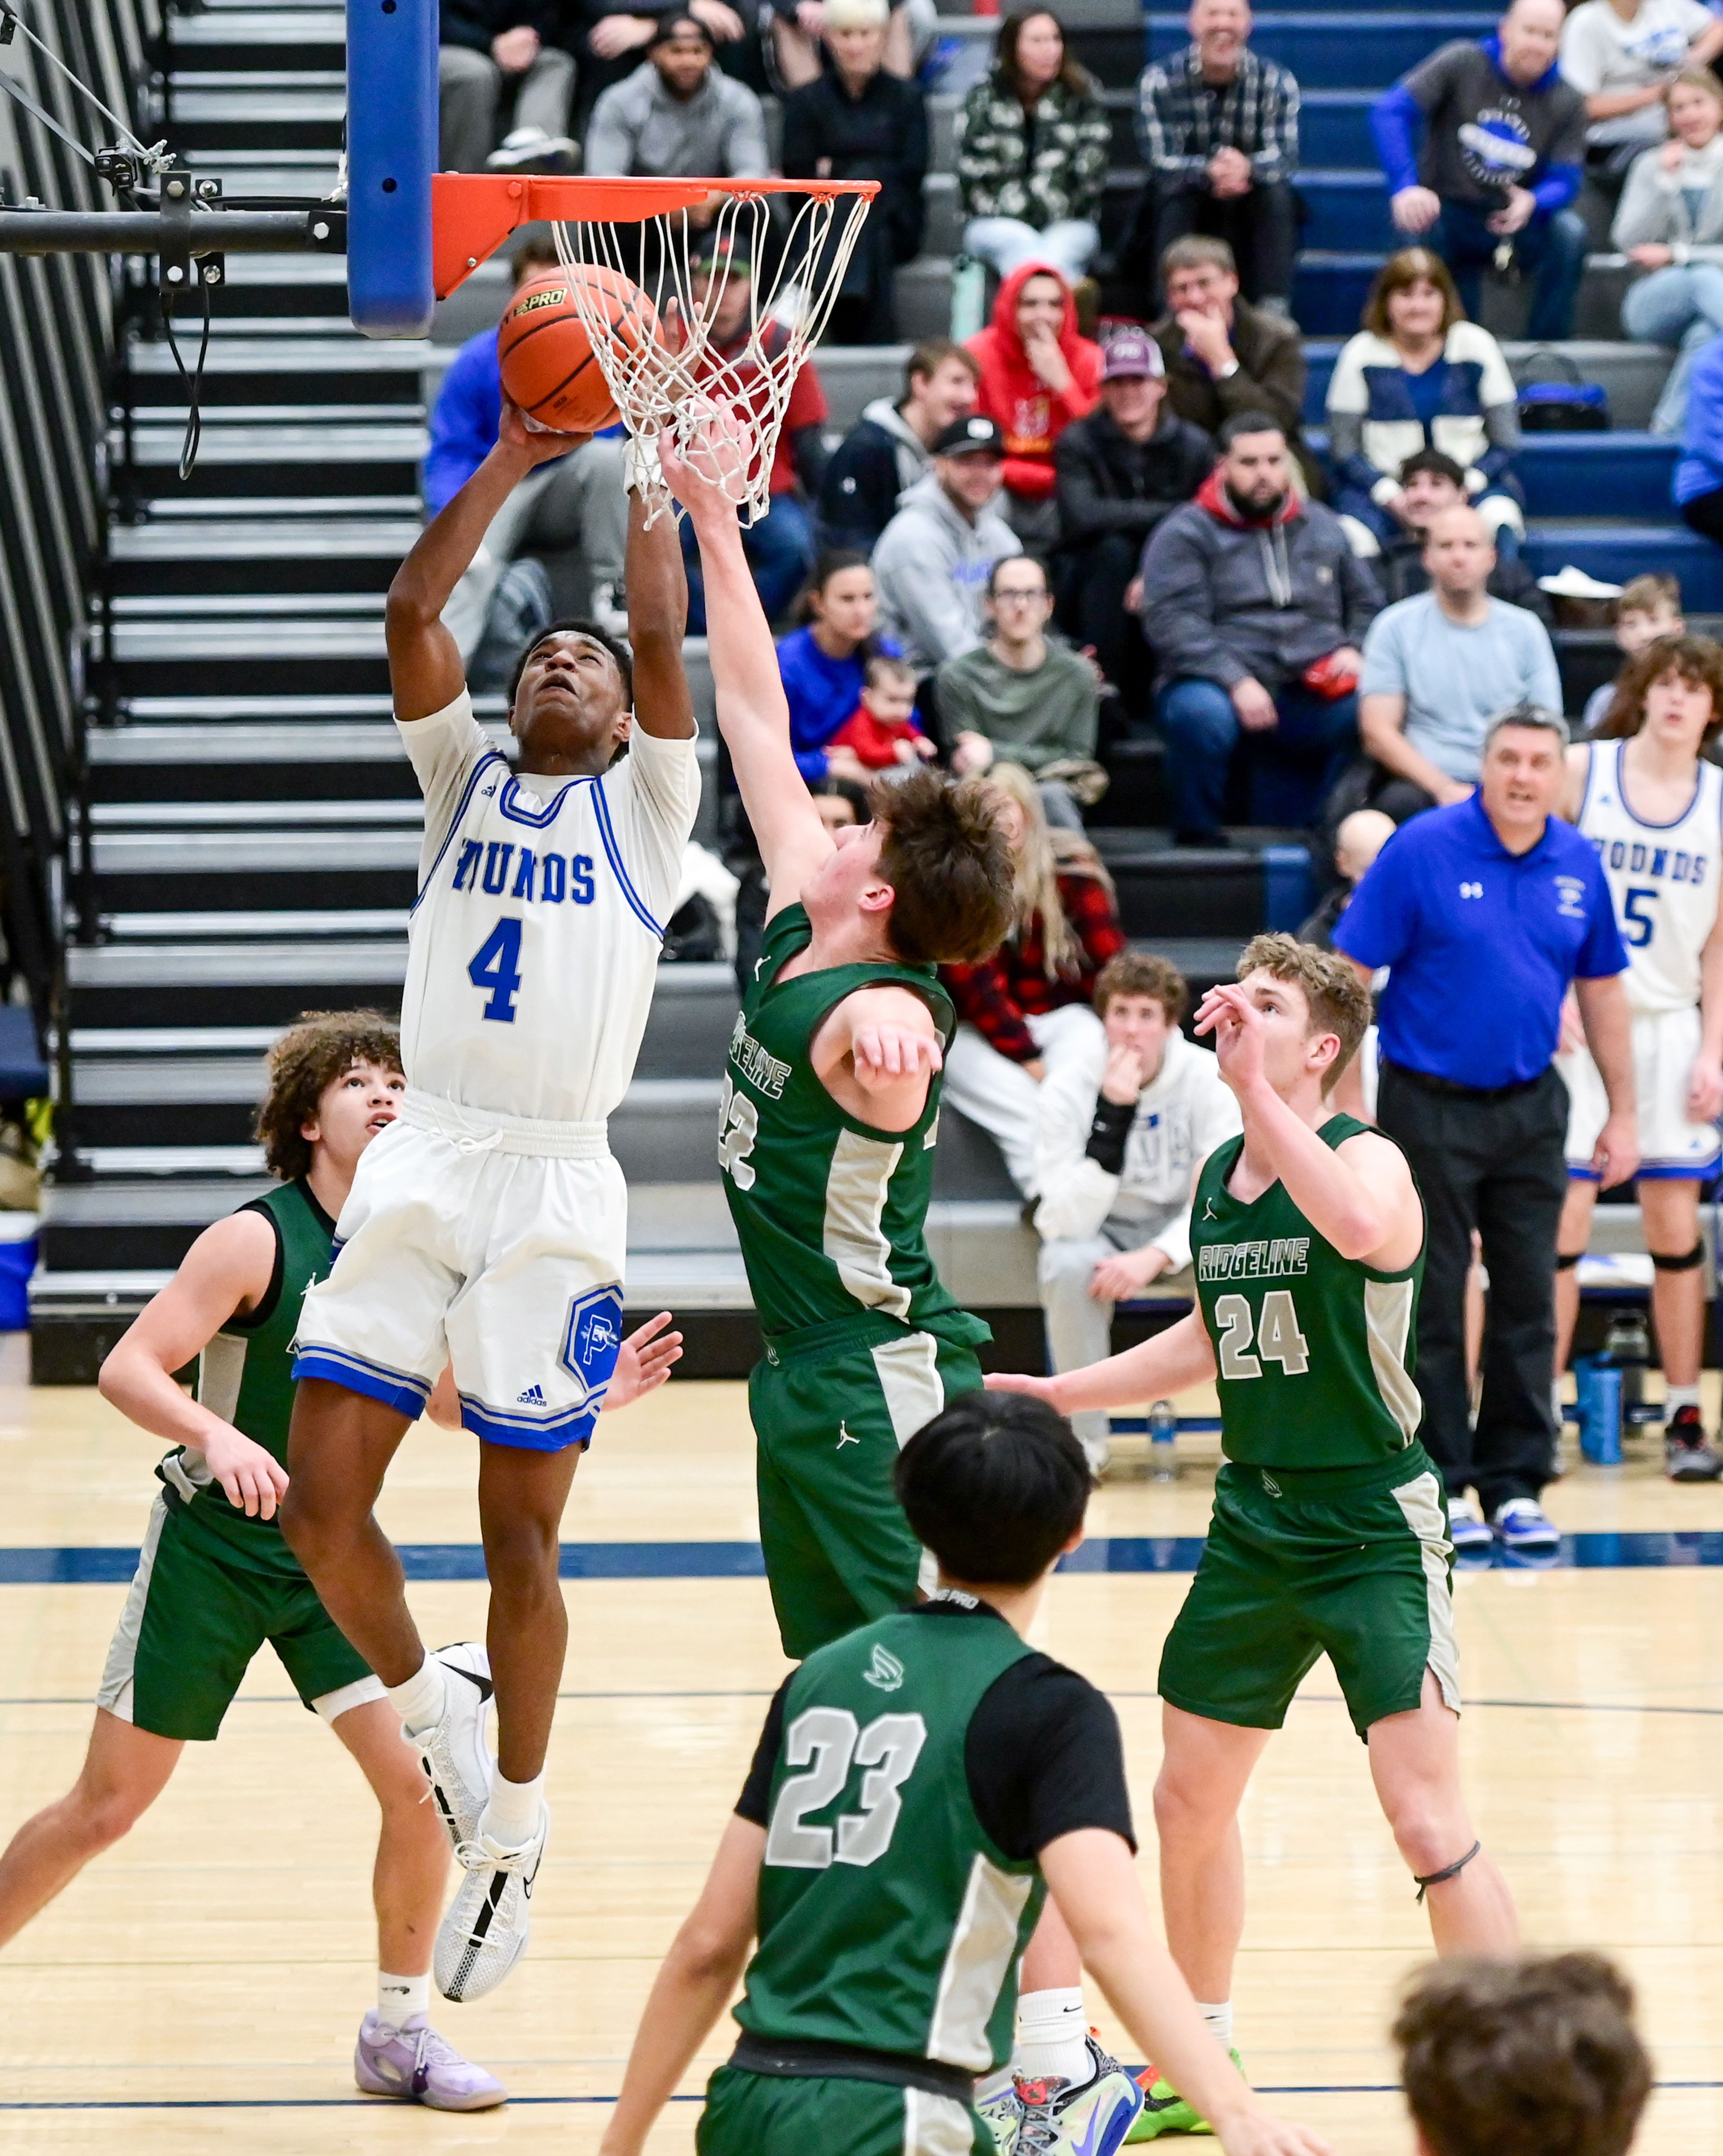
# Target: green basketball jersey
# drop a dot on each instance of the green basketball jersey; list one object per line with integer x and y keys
{"x": 831, "y": 1214}
{"x": 245, "y": 1376}
{"x": 1315, "y": 1351}
{"x": 888, "y": 1918}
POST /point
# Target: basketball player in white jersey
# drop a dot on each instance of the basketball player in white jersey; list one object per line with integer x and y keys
{"x": 487, "y": 1226}
{"x": 1652, "y": 805}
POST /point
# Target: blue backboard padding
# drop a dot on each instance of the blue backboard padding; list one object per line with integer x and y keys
{"x": 392, "y": 152}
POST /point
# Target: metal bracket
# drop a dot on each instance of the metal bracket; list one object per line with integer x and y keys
{"x": 176, "y": 269}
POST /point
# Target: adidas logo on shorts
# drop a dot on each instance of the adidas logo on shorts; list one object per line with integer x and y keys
{"x": 533, "y": 1397}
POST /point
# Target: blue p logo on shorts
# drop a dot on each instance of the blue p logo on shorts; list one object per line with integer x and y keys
{"x": 592, "y": 1340}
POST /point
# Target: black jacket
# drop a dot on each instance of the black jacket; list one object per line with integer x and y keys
{"x": 869, "y": 470}
{"x": 1401, "y": 572}
{"x": 882, "y": 135}
{"x": 1108, "y": 483}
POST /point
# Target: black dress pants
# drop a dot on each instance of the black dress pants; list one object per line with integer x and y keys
{"x": 1260, "y": 228}
{"x": 1091, "y": 579}
{"x": 1495, "y": 1163}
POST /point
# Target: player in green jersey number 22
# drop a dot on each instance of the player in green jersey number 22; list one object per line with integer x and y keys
{"x": 1328, "y": 1533}
{"x": 919, "y": 1787}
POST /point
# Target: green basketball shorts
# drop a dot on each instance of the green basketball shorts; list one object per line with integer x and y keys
{"x": 1355, "y": 1565}
{"x": 749, "y": 2114}
{"x": 193, "y": 1623}
{"x": 829, "y": 1423}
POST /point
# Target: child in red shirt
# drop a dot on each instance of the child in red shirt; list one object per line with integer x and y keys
{"x": 882, "y": 731}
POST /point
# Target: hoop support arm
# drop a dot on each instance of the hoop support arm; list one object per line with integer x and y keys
{"x": 313, "y": 231}
{"x": 472, "y": 214}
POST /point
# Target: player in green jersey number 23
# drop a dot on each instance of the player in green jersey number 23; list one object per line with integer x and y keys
{"x": 1328, "y": 1533}
{"x": 920, "y": 1786}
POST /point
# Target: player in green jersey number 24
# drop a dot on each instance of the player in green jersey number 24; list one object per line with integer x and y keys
{"x": 919, "y": 1787}
{"x": 1328, "y": 1533}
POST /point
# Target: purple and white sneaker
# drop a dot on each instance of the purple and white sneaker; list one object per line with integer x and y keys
{"x": 420, "y": 2067}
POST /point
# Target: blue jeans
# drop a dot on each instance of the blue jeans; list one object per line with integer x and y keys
{"x": 1551, "y": 248}
{"x": 1291, "y": 767}
{"x": 780, "y": 552}
{"x": 1681, "y": 305}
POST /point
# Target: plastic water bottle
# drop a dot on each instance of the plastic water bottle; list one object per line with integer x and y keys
{"x": 1163, "y": 1434}
{"x": 1627, "y": 1345}
{"x": 1601, "y": 1433}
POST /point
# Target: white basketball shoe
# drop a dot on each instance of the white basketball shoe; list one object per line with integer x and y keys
{"x": 484, "y": 1933}
{"x": 456, "y": 1758}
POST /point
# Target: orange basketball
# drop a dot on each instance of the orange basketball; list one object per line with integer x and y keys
{"x": 549, "y": 367}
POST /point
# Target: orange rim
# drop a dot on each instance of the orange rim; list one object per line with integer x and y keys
{"x": 473, "y": 213}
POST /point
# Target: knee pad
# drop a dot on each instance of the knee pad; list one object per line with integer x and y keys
{"x": 1566, "y": 1260}
{"x": 1665, "y": 1264}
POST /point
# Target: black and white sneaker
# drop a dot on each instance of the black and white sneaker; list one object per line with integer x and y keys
{"x": 1687, "y": 1456}
{"x": 455, "y": 1756}
{"x": 484, "y": 1933}
{"x": 531, "y": 149}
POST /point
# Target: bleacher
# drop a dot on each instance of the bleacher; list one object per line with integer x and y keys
{"x": 253, "y": 828}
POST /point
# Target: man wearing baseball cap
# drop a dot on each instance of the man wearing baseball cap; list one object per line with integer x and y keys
{"x": 934, "y": 559}
{"x": 1120, "y": 470}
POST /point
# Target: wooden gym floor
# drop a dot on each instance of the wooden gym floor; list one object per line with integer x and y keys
{"x": 204, "y": 1981}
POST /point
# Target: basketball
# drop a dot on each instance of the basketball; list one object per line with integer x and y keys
{"x": 549, "y": 368}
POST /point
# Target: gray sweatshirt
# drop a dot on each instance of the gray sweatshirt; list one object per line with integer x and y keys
{"x": 638, "y": 131}
{"x": 931, "y": 566}
{"x": 1655, "y": 210}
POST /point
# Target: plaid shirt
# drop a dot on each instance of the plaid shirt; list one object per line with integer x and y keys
{"x": 1180, "y": 125}
{"x": 996, "y": 994}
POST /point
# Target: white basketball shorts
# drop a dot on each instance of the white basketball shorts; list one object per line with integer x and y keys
{"x": 485, "y": 1242}
{"x": 1670, "y": 1147}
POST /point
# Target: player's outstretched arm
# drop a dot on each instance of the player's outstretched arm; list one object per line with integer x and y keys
{"x": 753, "y": 715}
{"x": 1094, "y": 1881}
{"x": 657, "y": 586}
{"x": 1172, "y": 1361}
{"x": 692, "y": 1988}
{"x": 877, "y": 1054}
{"x": 228, "y": 1269}
{"x": 425, "y": 668}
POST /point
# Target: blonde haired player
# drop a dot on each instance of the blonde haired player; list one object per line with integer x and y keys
{"x": 488, "y": 1227}
{"x": 1651, "y": 802}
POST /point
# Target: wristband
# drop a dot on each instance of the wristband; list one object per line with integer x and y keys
{"x": 1107, "y": 1133}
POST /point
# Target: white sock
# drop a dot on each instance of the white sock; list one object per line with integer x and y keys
{"x": 511, "y": 1819}
{"x": 399, "y": 1998}
{"x": 1680, "y": 1396}
{"x": 423, "y": 1701}
{"x": 1051, "y": 2029}
{"x": 1219, "y": 2019}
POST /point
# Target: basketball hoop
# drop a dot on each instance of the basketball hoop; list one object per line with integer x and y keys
{"x": 719, "y": 376}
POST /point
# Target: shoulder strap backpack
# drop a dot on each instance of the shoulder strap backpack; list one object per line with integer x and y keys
{"x": 1574, "y": 406}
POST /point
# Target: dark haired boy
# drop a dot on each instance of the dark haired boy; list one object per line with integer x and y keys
{"x": 919, "y": 1787}
{"x": 1114, "y": 1165}
{"x": 1534, "y": 2057}
{"x": 1329, "y": 1533}
{"x": 488, "y": 1233}
{"x": 1429, "y": 482}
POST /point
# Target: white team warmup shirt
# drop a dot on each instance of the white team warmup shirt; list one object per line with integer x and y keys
{"x": 488, "y": 1227}
{"x": 1666, "y": 879}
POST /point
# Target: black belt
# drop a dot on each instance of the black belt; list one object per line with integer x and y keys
{"x": 1430, "y": 1083}
{"x": 791, "y": 2059}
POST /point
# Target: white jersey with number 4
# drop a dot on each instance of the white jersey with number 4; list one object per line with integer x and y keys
{"x": 1663, "y": 877}
{"x": 534, "y": 942}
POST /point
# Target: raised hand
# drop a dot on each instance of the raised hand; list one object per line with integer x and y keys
{"x": 643, "y": 1363}
{"x": 885, "y": 1053}
{"x": 537, "y": 444}
{"x": 1227, "y": 1012}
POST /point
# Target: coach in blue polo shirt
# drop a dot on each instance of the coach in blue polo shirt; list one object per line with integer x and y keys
{"x": 1485, "y": 912}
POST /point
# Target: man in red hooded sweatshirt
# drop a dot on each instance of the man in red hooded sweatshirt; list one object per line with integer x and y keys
{"x": 1037, "y": 375}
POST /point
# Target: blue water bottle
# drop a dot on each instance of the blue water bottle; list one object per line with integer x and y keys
{"x": 1601, "y": 1432}
{"x": 1163, "y": 1435}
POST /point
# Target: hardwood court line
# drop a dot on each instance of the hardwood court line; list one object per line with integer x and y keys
{"x": 1604, "y": 1550}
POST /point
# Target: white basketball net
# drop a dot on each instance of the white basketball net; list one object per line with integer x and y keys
{"x": 723, "y": 410}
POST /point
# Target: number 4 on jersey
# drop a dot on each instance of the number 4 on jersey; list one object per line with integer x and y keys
{"x": 497, "y": 966}
{"x": 1278, "y": 1339}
